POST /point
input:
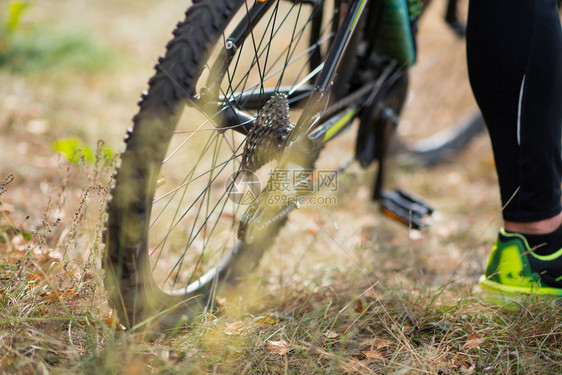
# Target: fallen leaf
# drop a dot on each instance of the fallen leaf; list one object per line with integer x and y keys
{"x": 35, "y": 277}
{"x": 312, "y": 231}
{"x": 473, "y": 341}
{"x": 383, "y": 343}
{"x": 376, "y": 343}
{"x": 5, "y": 208}
{"x": 278, "y": 347}
{"x": 462, "y": 364}
{"x": 354, "y": 366}
{"x": 373, "y": 353}
{"x": 359, "y": 306}
{"x": 372, "y": 293}
{"x": 235, "y": 328}
{"x": 109, "y": 322}
{"x": 62, "y": 295}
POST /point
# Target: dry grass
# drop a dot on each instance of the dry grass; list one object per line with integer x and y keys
{"x": 371, "y": 297}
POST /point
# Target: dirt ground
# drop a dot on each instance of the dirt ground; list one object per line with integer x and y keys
{"x": 39, "y": 107}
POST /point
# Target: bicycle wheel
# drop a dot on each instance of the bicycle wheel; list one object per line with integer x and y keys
{"x": 173, "y": 223}
{"x": 441, "y": 118}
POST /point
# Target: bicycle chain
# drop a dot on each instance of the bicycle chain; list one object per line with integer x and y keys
{"x": 268, "y": 137}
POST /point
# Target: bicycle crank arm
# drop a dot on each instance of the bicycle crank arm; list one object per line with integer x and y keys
{"x": 407, "y": 209}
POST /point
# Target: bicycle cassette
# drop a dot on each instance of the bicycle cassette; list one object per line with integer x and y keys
{"x": 268, "y": 137}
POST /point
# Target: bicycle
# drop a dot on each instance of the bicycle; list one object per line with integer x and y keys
{"x": 245, "y": 69}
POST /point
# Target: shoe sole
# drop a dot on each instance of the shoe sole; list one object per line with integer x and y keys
{"x": 512, "y": 297}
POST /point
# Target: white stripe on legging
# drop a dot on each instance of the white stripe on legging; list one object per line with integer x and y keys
{"x": 519, "y": 110}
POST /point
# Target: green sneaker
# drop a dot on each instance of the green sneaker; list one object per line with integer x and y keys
{"x": 514, "y": 271}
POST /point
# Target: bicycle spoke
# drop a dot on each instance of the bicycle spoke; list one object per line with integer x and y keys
{"x": 267, "y": 75}
{"x": 195, "y": 234}
{"x": 163, "y": 242}
{"x": 194, "y": 217}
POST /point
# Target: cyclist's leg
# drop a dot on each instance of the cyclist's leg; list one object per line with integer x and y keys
{"x": 515, "y": 67}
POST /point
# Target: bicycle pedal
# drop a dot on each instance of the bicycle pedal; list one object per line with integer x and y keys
{"x": 407, "y": 209}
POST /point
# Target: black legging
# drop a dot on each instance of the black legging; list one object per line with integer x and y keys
{"x": 514, "y": 52}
